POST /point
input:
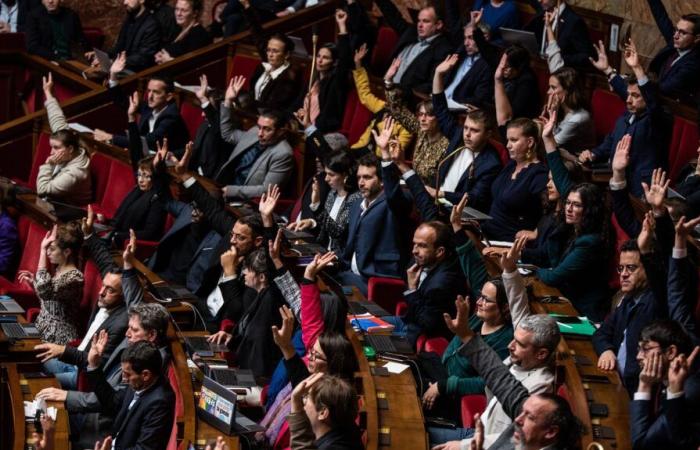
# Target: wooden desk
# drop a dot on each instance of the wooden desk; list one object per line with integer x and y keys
{"x": 38, "y": 209}
{"x": 16, "y": 432}
{"x": 18, "y": 350}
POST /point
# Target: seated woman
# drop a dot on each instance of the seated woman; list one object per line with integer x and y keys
{"x": 575, "y": 132}
{"x": 516, "y": 190}
{"x": 60, "y": 294}
{"x": 577, "y": 251}
{"x": 377, "y": 106}
{"x": 65, "y": 176}
{"x": 276, "y": 83}
{"x": 191, "y": 34}
{"x": 325, "y": 102}
{"x": 332, "y": 219}
{"x": 253, "y": 304}
{"x": 9, "y": 240}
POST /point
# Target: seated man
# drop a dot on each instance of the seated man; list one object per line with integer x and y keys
{"x": 159, "y": 118}
{"x": 677, "y": 64}
{"x": 323, "y": 414}
{"x": 667, "y": 379}
{"x": 147, "y": 322}
{"x": 261, "y": 156}
{"x": 420, "y": 48}
{"x": 645, "y": 120}
{"x": 14, "y": 14}
{"x": 376, "y": 237}
{"x": 570, "y": 28}
{"x": 526, "y": 372}
{"x": 139, "y": 37}
{"x": 146, "y": 408}
{"x": 53, "y": 30}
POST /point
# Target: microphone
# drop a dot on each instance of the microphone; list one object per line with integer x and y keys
{"x": 314, "y": 43}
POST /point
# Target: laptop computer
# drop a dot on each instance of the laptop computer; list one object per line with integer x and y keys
{"x": 202, "y": 347}
{"x": 299, "y": 47}
{"x": 217, "y": 407}
{"x": 470, "y": 213}
{"x": 236, "y": 379}
{"x": 525, "y": 38}
{"x": 104, "y": 59}
{"x": 170, "y": 292}
{"x": 389, "y": 344}
{"x": 20, "y": 330}
{"x": 9, "y": 306}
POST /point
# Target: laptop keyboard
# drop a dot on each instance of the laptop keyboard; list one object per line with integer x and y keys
{"x": 2, "y": 307}
{"x": 200, "y": 344}
{"x": 381, "y": 343}
{"x": 17, "y": 331}
{"x": 225, "y": 376}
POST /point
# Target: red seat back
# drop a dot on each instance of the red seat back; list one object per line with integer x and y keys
{"x": 179, "y": 406}
{"x": 606, "y": 107}
{"x": 91, "y": 291}
{"x": 30, "y": 234}
{"x": 383, "y": 49}
{"x": 121, "y": 181}
{"x": 95, "y": 36}
{"x": 542, "y": 75}
{"x": 99, "y": 172}
{"x": 502, "y": 151}
{"x": 683, "y": 146}
{"x": 355, "y": 118}
{"x": 43, "y": 149}
{"x": 386, "y": 292}
{"x": 192, "y": 115}
{"x": 472, "y": 404}
{"x": 244, "y": 65}
{"x": 436, "y": 345}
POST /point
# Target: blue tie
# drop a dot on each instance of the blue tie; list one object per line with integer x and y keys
{"x": 246, "y": 161}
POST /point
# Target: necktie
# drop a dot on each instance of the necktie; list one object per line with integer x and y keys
{"x": 669, "y": 63}
{"x": 245, "y": 163}
{"x": 134, "y": 400}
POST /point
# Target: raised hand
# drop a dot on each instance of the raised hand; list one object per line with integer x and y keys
{"x": 476, "y": 17}
{"x": 398, "y": 155}
{"x": 134, "y": 101}
{"x": 318, "y": 264}
{"x": 360, "y": 55}
{"x": 104, "y": 445}
{"x": 509, "y": 259}
{"x": 268, "y": 201}
{"x": 274, "y": 247}
{"x": 49, "y": 238}
{"x": 631, "y": 55}
{"x": 621, "y": 158}
{"x": 233, "y": 89}
{"x": 283, "y": 336}
{"x": 656, "y": 193}
{"x": 393, "y": 68}
{"x": 447, "y": 64}
{"x": 548, "y": 130}
{"x": 679, "y": 369}
{"x": 129, "y": 251}
{"x": 201, "y": 93}
{"x": 601, "y": 63}
{"x": 460, "y": 324}
{"x": 180, "y": 165}
{"x": 302, "y": 389}
{"x": 456, "y": 214}
{"x": 645, "y": 240}
{"x": 502, "y": 64}
{"x": 47, "y": 84}
{"x": 341, "y": 18}
{"x": 118, "y": 65}
{"x": 97, "y": 348}
{"x": 683, "y": 230}
{"x": 382, "y": 139}
{"x": 315, "y": 191}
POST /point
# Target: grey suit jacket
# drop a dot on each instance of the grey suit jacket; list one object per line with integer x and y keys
{"x": 274, "y": 166}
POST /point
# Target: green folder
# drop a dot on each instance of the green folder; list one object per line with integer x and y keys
{"x": 583, "y": 327}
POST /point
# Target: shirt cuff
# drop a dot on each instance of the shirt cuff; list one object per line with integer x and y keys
{"x": 189, "y": 182}
{"x": 226, "y": 278}
{"x": 673, "y": 395}
{"x": 311, "y": 129}
{"x": 408, "y": 292}
{"x": 680, "y": 253}
{"x": 408, "y": 174}
{"x": 387, "y": 163}
{"x": 642, "y": 396}
{"x": 291, "y": 9}
{"x": 509, "y": 275}
{"x": 642, "y": 81}
{"x": 204, "y": 105}
{"x": 617, "y": 185}
{"x": 314, "y": 206}
{"x": 113, "y": 83}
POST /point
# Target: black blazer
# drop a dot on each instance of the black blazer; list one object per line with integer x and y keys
{"x": 40, "y": 36}
{"x": 210, "y": 151}
{"x": 334, "y": 89}
{"x": 419, "y": 75}
{"x": 196, "y": 38}
{"x": 115, "y": 325}
{"x": 148, "y": 423}
{"x": 168, "y": 124}
{"x": 572, "y": 37}
{"x": 140, "y": 38}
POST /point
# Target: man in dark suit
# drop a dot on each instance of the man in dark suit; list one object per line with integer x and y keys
{"x": 470, "y": 163}
{"x": 139, "y": 37}
{"x": 376, "y": 237}
{"x": 421, "y": 47}
{"x": 52, "y": 30}
{"x": 158, "y": 119}
{"x": 15, "y": 13}
{"x": 664, "y": 409}
{"x": 146, "y": 408}
{"x": 676, "y": 65}
{"x": 570, "y": 29}
{"x": 645, "y": 120}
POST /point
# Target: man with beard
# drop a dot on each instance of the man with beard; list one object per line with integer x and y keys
{"x": 53, "y": 29}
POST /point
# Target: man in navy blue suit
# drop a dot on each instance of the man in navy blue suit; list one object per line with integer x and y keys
{"x": 676, "y": 65}
{"x": 645, "y": 121}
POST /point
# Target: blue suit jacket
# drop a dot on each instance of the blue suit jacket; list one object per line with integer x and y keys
{"x": 485, "y": 168}
{"x": 681, "y": 78}
{"x": 650, "y": 132}
{"x": 378, "y": 237}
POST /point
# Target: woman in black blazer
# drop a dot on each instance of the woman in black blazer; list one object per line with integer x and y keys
{"x": 192, "y": 34}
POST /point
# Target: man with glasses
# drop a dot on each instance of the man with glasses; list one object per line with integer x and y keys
{"x": 677, "y": 64}
{"x": 616, "y": 339}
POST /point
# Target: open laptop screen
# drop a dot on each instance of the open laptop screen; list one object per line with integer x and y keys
{"x": 217, "y": 405}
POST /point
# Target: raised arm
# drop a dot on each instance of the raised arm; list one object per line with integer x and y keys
{"x": 518, "y": 300}
{"x": 666, "y": 27}
{"x": 392, "y": 16}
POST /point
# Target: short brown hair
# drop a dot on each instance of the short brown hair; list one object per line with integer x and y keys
{"x": 338, "y": 397}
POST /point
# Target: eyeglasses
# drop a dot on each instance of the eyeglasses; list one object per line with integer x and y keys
{"x": 682, "y": 32}
{"x": 485, "y": 299}
{"x": 646, "y": 349}
{"x": 631, "y": 268}
{"x": 316, "y": 356}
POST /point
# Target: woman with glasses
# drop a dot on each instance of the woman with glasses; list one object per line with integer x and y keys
{"x": 578, "y": 250}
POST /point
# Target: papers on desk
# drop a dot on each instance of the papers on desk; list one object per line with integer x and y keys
{"x": 369, "y": 323}
{"x": 193, "y": 88}
{"x": 394, "y": 367}
{"x": 30, "y": 409}
{"x": 505, "y": 244}
{"x": 79, "y": 127}
{"x": 580, "y": 326}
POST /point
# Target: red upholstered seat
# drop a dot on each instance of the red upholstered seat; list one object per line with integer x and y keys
{"x": 436, "y": 345}
{"x": 355, "y": 118}
{"x": 606, "y": 107}
{"x": 244, "y": 65}
{"x": 386, "y": 292}
{"x": 42, "y": 151}
{"x": 383, "y": 49}
{"x": 683, "y": 146}
{"x": 30, "y": 236}
{"x": 91, "y": 291}
{"x": 472, "y": 404}
{"x": 99, "y": 172}
{"x": 179, "y": 406}
{"x": 192, "y": 115}
{"x": 502, "y": 151}
{"x": 119, "y": 182}
{"x": 95, "y": 36}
